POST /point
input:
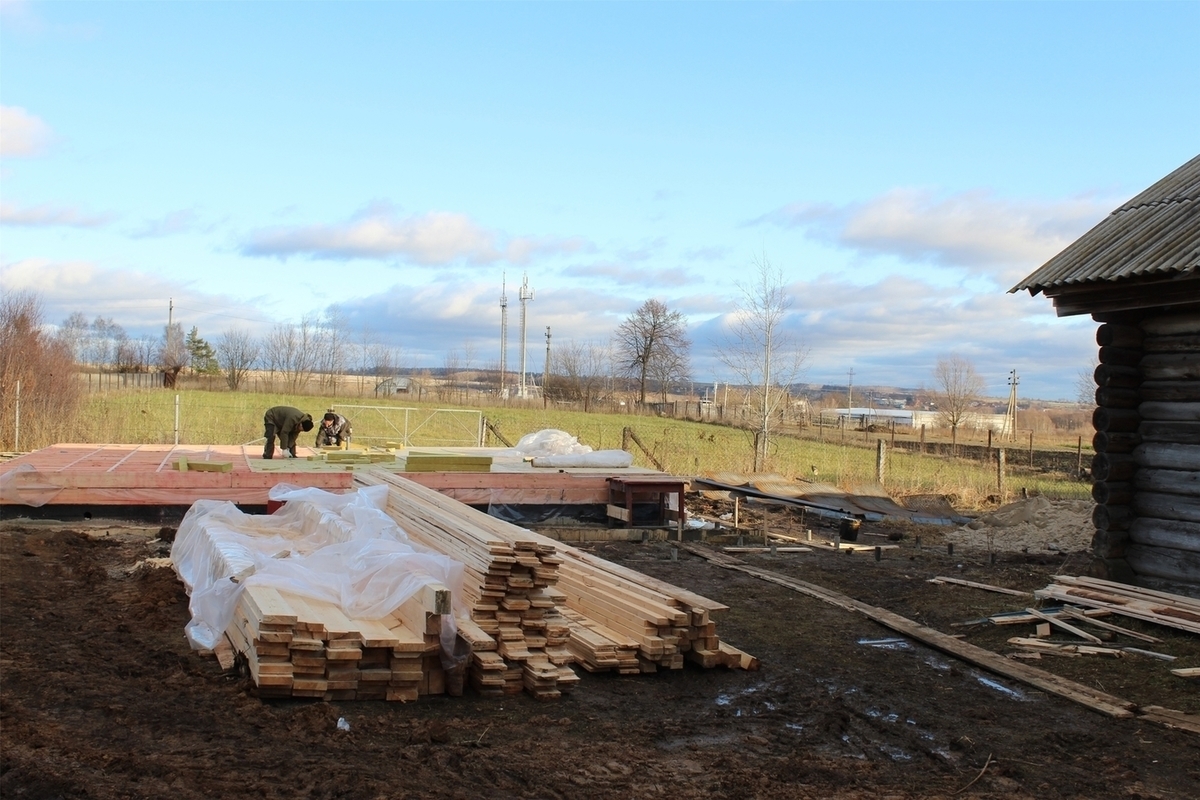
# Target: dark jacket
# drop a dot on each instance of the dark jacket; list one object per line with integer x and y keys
{"x": 287, "y": 422}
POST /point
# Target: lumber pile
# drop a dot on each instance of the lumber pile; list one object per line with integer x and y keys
{"x": 445, "y": 461}
{"x": 302, "y": 647}
{"x": 1163, "y": 608}
{"x": 536, "y": 600}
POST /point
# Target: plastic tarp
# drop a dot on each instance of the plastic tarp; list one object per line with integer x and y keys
{"x": 603, "y": 459}
{"x": 550, "y": 442}
{"x": 339, "y": 548}
{"x": 23, "y": 485}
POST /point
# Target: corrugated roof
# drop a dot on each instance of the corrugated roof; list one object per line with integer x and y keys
{"x": 1157, "y": 233}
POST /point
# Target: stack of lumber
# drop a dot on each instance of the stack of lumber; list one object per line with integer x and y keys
{"x": 445, "y": 461}
{"x": 506, "y": 575}
{"x": 593, "y": 612}
{"x": 303, "y": 647}
{"x": 1163, "y": 608}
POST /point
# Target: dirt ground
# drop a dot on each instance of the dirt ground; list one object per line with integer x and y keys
{"x": 100, "y": 696}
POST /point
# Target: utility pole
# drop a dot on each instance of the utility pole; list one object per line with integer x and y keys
{"x": 1010, "y": 417}
{"x": 170, "y": 311}
{"x": 850, "y": 393}
{"x": 503, "y": 335}
{"x": 526, "y": 295}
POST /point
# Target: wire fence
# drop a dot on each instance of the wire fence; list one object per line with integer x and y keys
{"x": 902, "y": 464}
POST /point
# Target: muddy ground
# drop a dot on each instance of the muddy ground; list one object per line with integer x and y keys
{"x": 100, "y": 696}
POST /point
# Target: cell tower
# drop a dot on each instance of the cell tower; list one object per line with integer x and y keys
{"x": 525, "y": 296}
{"x": 503, "y": 335}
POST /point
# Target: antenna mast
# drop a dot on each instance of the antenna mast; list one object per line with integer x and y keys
{"x": 1010, "y": 417}
{"x": 525, "y": 296}
{"x": 503, "y": 335}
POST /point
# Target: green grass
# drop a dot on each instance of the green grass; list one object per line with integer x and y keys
{"x": 679, "y": 446}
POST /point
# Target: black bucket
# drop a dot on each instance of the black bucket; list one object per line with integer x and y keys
{"x": 849, "y": 529}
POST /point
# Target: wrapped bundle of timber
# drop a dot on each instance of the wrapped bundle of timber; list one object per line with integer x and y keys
{"x": 325, "y": 599}
{"x": 535, "y": 600}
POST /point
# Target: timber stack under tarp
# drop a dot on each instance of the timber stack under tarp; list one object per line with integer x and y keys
{"x": 1138, "y": 274}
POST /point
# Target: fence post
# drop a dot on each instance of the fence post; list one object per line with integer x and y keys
{"x": 176, "y": 419}
{"x": 922, "y": 438}
{"x": 880, "y": 451}
{"x": 1031, "y": 448}
{"x": 1079, "y": 458}
{"x": 1000, "y": 473}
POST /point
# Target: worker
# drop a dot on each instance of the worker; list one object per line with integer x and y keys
{"x": 286, "y": 423}
{"x": 334, "y": 430}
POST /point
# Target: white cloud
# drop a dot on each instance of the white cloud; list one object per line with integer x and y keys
{"x": 433, "y": 238}
{"x": 974, "y": 231}
{"x": 174, "y": 223}
{"x": 48, "y": 215}
{"x": 137, "y": 301}
{"x": 22, "y": 134}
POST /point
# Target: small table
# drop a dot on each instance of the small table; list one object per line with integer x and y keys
{"x": 623, "y": 492}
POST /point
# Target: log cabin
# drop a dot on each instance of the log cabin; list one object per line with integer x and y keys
{"x": 1137, "y": 273}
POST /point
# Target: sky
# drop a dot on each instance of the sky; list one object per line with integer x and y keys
{"x": 400, "y": 165}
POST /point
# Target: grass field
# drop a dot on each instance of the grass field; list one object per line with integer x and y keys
{"x": 676, "y": 446}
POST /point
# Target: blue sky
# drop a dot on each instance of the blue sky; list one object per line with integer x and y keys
{"x": 903, "y": 164}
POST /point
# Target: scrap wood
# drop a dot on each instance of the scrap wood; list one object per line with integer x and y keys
{"x": 1060, "y": 647}
{"x": 985, "y": 586}
{"x": 736, "y": 549}
{"x": 1083, "y": 616}
{"x": 1171, "y": 718}
{"x": 1048, "y": 682}
{"x": 1065, "y": 626}
{"x": 1016, "y": 617}
{"x": 1187, "y": 672}
{"x": 1175, "y": 611}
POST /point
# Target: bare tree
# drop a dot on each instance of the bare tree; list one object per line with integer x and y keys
{"x": 579, "y": 371}
{"x": 74, "y": 334}
{"x": 332, "y": 342}
{"x": 959, "y": 388}
{"x": 1085, "y": 384}
{"x": 653, "y": 341}
{"x": 42, "y": 368}
{"x": 292, "y": 351}
{"x": 759, "y": 350}
{"x": 236, "y": 353}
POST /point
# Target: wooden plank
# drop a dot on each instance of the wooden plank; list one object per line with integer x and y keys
{"x": 1064, "y": 625}
{"x": 984, "y": 586}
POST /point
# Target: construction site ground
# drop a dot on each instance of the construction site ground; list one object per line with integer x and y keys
{"x": 101, "y": 697}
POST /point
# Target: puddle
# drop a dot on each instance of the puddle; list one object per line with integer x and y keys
{"x": 895, "y": 753}
{"x": 887, "y": 644}
{"x": 1000, "y": 687}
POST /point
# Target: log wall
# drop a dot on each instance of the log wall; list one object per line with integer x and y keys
{"x": 1146, "y": 471}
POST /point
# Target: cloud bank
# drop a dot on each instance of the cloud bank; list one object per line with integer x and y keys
{"x": 49, "y": 215}
{"x": 974, "y": 230}
{"x": 435, "y": 238}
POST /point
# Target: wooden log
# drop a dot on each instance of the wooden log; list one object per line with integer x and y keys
{"x": 1171, "y": 325}
{"x": 1165, "y": 455}
{"x": 1114, "y": 420}
{"x": 1166, "y": 506}
{"x": 1170, "y": 412}
{"x": 1120, "y": 356}
{"x": 1109, "y": 518}
{"x": 1109, "y": 544}
{"x": 1117, "y": 397}
{"x": 1177, "y": 432}
{"x": 1170, "y": 391}
{"x": 1105, "y": 492}
{"x": 1170, "y": 366}
{"x": 1112, "y": 334}
{"x": 1172, "y": 344}
{"x": 1110, "y": 375}
{"x": 1171, "y": 481}
{"x": 1113, "y": 467}
{"x": 1178, "y": 534}
{"x": 1164, "y": 562}
{"x": 1105, "y": 442}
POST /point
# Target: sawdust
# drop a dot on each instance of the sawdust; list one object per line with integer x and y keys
{"x": 1031, "y": 525}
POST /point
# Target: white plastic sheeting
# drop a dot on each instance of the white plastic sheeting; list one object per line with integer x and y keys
{"x": 551, "y": 442}
{"x": 340, "y": 548}
{"x": 600, "y": 459}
